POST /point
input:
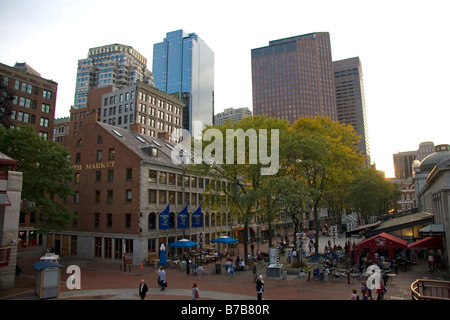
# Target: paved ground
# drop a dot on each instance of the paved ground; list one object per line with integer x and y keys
{"x": 105, "y": 281}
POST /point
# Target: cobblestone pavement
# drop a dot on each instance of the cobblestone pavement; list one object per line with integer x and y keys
{"x": 106, "y": 281}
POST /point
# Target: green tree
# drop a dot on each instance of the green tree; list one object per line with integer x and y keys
{"x": 239, "y": 164}
{"x": 325, "y": 153}
{"x": 46, "y": 170}
{"x": 371, "y": 195}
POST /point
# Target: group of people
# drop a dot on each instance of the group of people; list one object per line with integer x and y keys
{"x": 366, "y": 292}
{"x": 232, "y": 266}
{"x": 161, "y": 278}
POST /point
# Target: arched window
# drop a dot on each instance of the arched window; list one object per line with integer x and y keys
{"x": 79, "y": 142}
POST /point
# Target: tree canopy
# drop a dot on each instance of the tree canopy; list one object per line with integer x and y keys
{"x": 46, "y": 170}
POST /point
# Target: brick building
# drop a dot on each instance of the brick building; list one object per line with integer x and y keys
{"x": 123, "y": 181}
{"x": 33, "y": 99}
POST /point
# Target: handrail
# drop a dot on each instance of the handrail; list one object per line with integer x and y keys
{"x": 424, "y": 289}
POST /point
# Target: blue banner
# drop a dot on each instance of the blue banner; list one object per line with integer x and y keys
{"x": 197, "y": 217}
{"x": 183, "y": 218}
{"x": 164, "y": 219}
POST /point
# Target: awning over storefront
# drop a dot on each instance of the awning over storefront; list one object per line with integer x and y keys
{"x": 432, "y": 230}
{"x": 428, "y": 243}
{"x": 383, "y": 241}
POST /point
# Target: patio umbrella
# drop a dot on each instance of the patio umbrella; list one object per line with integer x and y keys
{"x": 224, "y": 239}
{"x": 183, "y": 243}
{"x": 162, "y": 255}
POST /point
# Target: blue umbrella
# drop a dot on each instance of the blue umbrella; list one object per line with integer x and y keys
{"x": 224, "y": 239}
{"x": 183, "y": 243}
{"x": 162, "y": 256}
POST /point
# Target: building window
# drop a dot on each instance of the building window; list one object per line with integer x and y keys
{"x": 151, "y": 221}
{"x": 162, "y": 197}
{"x": 109, "y": 220}
{"x": 96, "y": 220}
{"x": 151, "y": 196}
{"x": 111, "y": 153}
{"x": 128, "y": 195}
{"x": 152, "y": 176}
{"x": 76, "y": 197}
{"x": 129, "y": 174}
{"x": 98, "y": 176}
{"x": 110, "y": 175}
{"x": 99, "y": 155}
{"x": 97, "y": 196}
{"x": 47, "y": 94}
{"x": 162, "y": 178}
{"x": 110, "y": 196}
{"x": 128, "y": 221}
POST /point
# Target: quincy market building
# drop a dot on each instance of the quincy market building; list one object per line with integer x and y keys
{"x": 123, "y": 182}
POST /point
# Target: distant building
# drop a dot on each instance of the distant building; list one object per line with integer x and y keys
{"x": 28, "y": 99}
{"x": 350, "y": 100}
{"x": 294, "y": 77}
{"x": 61, "y": 129}
{"x": 231, "y": 114}
{"x": 115, "y": 65}
{"x": 183, "y": 65}
{"x": 148, "y": 110}
{"x": 403, "y": 161}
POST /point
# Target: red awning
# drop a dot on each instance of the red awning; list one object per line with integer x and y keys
{"x": 383, "y": 240}
{"x": 428, "y": 243}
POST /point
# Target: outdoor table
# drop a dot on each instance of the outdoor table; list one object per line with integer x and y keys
{"x": 391, "y": 275}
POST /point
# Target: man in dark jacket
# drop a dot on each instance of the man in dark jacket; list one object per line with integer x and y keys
{"x": 143, "y": 289}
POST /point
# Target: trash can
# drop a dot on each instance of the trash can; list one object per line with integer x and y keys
{"x": 48, "y": 279}
{"x": 218, "y": 268}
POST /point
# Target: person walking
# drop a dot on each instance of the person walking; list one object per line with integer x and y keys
{"x": 259, "y": 287}
{"x": 195, "y": 292}
{"x": 255, "y": 271}
{"x": 162, "y": 278}
{"x": 143, "y": 289}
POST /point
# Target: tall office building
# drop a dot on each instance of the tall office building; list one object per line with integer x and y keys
{"x": 350, "y": 100}
{"x": 293, "y": 78}
{"x": 183, "y": 65}
{"x": 115, "y": 65}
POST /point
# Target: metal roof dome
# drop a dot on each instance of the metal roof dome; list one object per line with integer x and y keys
{"x": 442, "y": 151}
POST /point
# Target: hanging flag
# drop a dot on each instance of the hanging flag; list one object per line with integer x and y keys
{"x": 183, "y": 218}
{"x": 164, "y": 221}
{"x": 197, "y": 217}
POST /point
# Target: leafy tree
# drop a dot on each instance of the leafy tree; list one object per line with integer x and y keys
{"x": 46, "y": 170}
{"x": 370, "y": 194}
{"x": 239, "y": 164}
{"x": 325, "y": 153}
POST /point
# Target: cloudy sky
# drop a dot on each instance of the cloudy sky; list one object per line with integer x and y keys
{"x": 402, "y": 45}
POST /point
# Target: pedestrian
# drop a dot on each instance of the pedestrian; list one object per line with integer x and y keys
{"x": 187, "y": 266}
{"x": 366, "y": 293}
{"x": 259, "y": 287}
{"x": 124, "y": 259}
{"x": 162, "y": 278}
{"x": 143, "y": 289}
{"x": 195, "y": 292}
{"x": 354, "y": 295}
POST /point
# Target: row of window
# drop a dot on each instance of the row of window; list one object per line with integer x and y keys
{"x": 29, "y": 118}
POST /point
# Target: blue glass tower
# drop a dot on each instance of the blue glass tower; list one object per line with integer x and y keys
{"x": 183, "y": 65}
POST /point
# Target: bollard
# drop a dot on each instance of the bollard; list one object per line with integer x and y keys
{"x": 284, "y": 274}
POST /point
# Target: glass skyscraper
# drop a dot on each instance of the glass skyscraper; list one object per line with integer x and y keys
{"x": 183, "y": 65}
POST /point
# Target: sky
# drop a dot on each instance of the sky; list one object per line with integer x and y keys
{"x": 402, "y": 45}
